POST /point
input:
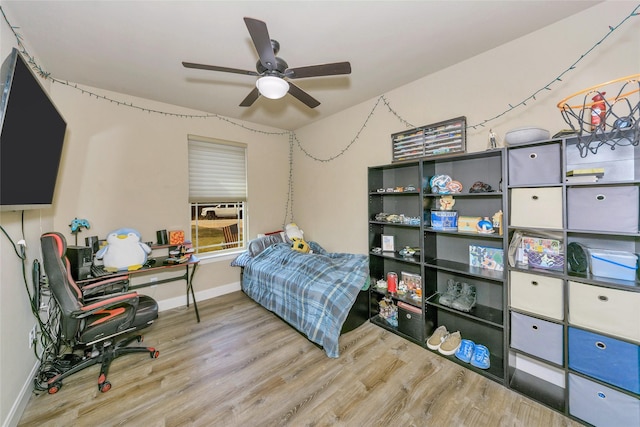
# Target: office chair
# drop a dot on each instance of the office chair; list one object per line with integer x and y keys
{"x": 101, "y": 327}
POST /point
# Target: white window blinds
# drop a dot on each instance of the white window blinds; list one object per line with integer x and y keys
{"x": 217, "y": 170}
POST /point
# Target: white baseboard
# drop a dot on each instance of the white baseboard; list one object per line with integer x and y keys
{"x": 14, "y": 415}
{"x": 25, "y": 393}
{"x": 180, "y": 301}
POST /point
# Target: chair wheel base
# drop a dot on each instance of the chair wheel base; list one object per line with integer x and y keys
{"x": 54, "y": 388}
{"x": 104, "y": 387}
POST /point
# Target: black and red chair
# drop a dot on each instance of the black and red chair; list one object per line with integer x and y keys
{"x": 100, "y": 328}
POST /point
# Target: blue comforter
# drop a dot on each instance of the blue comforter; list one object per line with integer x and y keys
{"x": 312, "y": 292}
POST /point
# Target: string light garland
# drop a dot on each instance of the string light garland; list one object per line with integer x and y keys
{"x": 288, "y": 209}
{"x": 559, "y": 78}
{"x": 292, "y": 135}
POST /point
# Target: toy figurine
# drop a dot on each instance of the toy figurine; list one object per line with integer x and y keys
{"x": 446, "y": 203}
{"x": 497, "y": 221}
{"x": 493, "y": 140}
{"x": 77, "y": 225}
{"x": 485, "y": 226}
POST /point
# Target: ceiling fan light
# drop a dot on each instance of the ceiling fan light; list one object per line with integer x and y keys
{"x": 272, "y": 87}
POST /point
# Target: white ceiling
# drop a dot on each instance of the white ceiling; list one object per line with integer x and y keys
{"x": 136, "y": 47}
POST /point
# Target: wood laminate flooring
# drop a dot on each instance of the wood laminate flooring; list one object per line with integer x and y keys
{"x": 243, "y": 366}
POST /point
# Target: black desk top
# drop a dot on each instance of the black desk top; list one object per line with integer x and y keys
{"x": 158, "y": 265}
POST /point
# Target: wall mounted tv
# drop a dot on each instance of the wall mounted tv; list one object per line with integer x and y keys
{"x": 31, "y": 140}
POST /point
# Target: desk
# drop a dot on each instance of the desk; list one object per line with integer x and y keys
{"x": 158, "y": 267}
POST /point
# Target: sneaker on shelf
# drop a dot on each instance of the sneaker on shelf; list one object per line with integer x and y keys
{"x": 481, "y": 357}
{"x": 467, "y": 299}
{"x": 438, "y": 336}
{"x": 465, "y": 351}
{"x": 450, "y": 344}
{"x": 453, "y": 292}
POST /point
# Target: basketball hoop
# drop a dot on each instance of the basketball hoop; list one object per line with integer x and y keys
{"x": 617, "y": 117}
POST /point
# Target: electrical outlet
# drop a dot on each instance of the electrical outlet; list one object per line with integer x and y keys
{"x": 32, "y": 335}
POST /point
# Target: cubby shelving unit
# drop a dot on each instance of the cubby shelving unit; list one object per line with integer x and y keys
{"x": 568, "y": 339}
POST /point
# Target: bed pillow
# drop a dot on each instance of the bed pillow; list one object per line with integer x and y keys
{"x": 256, "y": 246}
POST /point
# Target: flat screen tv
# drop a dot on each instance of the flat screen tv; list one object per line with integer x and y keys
{"x": 31, "y": 140}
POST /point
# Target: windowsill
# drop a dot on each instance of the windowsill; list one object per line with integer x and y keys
{"x": 227, "y": 256}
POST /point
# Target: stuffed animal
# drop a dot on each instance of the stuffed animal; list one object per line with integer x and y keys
{"x": 296, "y": 236}
{"x": 300, "y": 245}
{"x": 124, "y": 251}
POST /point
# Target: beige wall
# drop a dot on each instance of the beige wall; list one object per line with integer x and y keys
{"x": 16, "y": 320}
{"x": 331, "y": 197}
{"x": 125, "y": 167}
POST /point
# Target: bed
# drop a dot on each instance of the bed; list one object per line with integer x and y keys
{"x": 320, "y": 294}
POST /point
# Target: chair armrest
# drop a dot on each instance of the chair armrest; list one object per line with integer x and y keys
{"x": 95, "y": 305}
{"x": 111, "y": 285}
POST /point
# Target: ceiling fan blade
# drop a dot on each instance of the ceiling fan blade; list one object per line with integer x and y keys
{"x": 251, "y": 98}
{"x": 303, "y": 96}
{"x": 262, "y": 42}
{"x": 333, "y": 69}
{"x": 216, "y": 68}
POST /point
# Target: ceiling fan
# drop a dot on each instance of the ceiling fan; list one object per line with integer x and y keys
{"x": 272, "y": 70}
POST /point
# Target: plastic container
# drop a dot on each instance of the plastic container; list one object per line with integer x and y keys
{"x": 613, "y": 264}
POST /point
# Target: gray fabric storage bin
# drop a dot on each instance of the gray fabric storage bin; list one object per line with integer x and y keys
{"x": 600, "y": 405}
{"x": 537, "y": 337}
{"x": 534, "y": 165}
{"x": 603, "y": 208}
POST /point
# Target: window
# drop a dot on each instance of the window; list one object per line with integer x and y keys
{"x": 217, "y": 194}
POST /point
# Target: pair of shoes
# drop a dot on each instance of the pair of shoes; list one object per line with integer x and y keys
{"x": 452, "y": 293}
{"x": 450, "y": 344}
{"x": 460, "y": 296}
{"x": 465, "y": 351}
{"x": 467, "y": 299}
{"x": 443, "y": 341}
{"x": 437, "y": 337}
{"x": 476, "y": 354}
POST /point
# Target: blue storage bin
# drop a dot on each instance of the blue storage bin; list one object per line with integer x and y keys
{"x": 600, "y": 405}
{"x": 607, "y": 359}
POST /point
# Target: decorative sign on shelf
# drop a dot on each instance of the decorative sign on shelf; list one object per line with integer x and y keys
{"x": 437, "y": 139}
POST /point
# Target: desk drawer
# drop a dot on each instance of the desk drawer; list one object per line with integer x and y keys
{"x": 537, "y": 294}
{"x": 536, "y": 207}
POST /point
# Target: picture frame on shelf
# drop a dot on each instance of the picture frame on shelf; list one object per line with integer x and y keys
{"x": 388, "y": 243}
